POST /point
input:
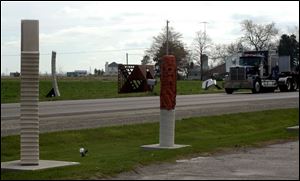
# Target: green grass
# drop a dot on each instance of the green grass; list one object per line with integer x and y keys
{"x": 74, "y": 89}
{"x": 117, "y": 149}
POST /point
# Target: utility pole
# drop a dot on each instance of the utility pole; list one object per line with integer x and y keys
{"x": 204, "y": 23}
{"x": 126, "y": 58}
{"x": 167, "y": 37}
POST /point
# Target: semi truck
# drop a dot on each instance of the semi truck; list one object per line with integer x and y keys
{"x": 262, "y": 71}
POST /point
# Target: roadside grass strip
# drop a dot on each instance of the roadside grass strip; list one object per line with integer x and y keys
{"x": 76, "y": 89}
{"x": 112, "y": 150}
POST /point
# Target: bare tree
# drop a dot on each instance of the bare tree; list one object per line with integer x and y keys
{"x": 201, "y": 44}
{"x": 258, "y": 36}
{"x": 237, "y": 47}
{"x": 294, "y": 31}
{"x": 187, "y": 64}
{"x": 219, "y": 53}
{"x": 146, "y": 60}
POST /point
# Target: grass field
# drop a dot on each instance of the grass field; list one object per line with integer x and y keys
{"x": 117, "y": 149}
{"x": 89, "y": 88}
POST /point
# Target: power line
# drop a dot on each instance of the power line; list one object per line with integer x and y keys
{"x": 95, "y": 51}
{"x": 136, "y": 54}
{"x": 81, "y": 52}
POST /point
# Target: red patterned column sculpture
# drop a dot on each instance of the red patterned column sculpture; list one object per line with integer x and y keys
{"x": 168, "y": 75}
{"x": 167, "y": 101}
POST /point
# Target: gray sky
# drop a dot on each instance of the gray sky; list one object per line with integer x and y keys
{"x": 87, "y": 34}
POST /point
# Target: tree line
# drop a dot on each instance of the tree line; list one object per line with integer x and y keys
{"x": 254, "y": 37}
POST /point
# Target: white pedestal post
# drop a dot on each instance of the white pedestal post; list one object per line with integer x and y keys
{"x": 166, "y": 128}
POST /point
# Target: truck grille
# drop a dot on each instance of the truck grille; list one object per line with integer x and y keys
{"x": 237, "y": 73}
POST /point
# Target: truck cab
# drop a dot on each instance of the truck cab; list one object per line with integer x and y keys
{"x": 253, "y": 72}
{"x": 262, "y": 71}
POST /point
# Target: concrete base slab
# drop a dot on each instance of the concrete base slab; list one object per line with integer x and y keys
{"x": 43, "y": 164}
{"x": 157, "y": 146}
{"x": 293, "y": 128}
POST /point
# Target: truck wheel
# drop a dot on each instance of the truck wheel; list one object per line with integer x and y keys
{"x": 228, "y": 90}
{"x": 272, "y": 90}
{"x": 289, "y": 85}
{"x": 282, "y": 88}
{"x": 256, "y": 87}
{"x": 295, "y": 85}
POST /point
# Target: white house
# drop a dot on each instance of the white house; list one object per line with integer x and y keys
{"x": 111, "y": 69}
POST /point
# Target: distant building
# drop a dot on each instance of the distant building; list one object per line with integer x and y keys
{"x": 77, "y": 73}
{"x": 205, "y": 62}
{"x": 71, "y": 74}
{"x": 81, "y": 72}
{"x": 14, "y": 74}
{"x": 111, "y": 69}
{"x": 218, "y": 72}
{"x": 194, "y": 74}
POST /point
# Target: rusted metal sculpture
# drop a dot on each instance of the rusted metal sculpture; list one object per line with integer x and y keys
{"x": 133, "y": 78}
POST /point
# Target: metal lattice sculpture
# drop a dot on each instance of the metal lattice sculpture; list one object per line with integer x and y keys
{"x": 134, "y": 78}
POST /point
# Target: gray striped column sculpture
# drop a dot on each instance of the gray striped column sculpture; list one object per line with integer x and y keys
{"x": 54, "y": 80}
{"x": 29, "y": 107}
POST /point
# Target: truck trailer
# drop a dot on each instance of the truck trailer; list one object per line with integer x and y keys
{"x": 262, "y": 71}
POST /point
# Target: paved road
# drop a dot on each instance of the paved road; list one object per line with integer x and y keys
{"x": 78, "y": 114}
{"x": 274, "y": 162}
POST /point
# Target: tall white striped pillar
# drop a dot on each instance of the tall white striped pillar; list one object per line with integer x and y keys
{"x": 29, "y": 107}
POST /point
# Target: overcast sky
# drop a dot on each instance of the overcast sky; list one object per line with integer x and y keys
{"x": 87, "y": 34}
